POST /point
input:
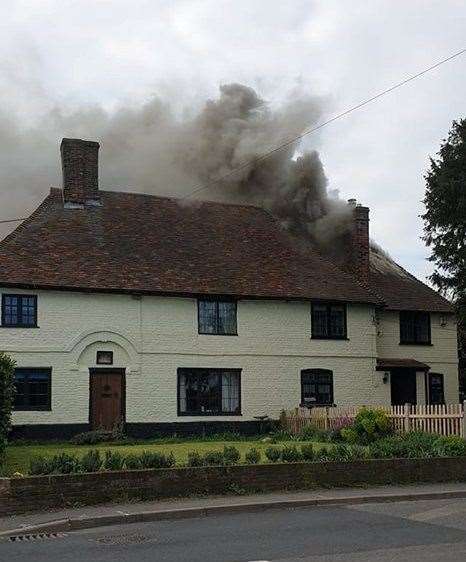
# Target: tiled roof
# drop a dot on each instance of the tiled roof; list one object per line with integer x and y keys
{"x": 387, "y": 364}
{"x": 400, "y": 290}
{"x": 147, "y": 244}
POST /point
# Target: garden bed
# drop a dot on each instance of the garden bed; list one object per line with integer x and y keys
{"x": 55, "y": 491}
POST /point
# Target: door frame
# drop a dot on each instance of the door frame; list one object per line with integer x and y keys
{"x": 96, "y": 371}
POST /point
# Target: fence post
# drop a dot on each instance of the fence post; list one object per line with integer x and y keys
{"x": 407, "y": 421}
{"x": 464, "y": 420}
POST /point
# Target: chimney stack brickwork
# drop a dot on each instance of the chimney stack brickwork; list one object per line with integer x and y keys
{"x": 80, "y": 165}
{"x": 360, "y": 243}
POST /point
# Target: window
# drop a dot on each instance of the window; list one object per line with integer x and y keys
{"x": 317, "y": 387}
{"x": 217, "y": 317}
{"x": 104, "y": 358}
{"x": 33, "y": 389}
{"x": 436, "y": 395}
{"x": 415, "y": 327}
{"x": 19, "y": 310}
{"x": 328, "y": 321}
{"x": 209, "y": 392}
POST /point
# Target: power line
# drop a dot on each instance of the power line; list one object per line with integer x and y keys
{"x": 265, "y": 155}
{"x": 201, "y": 187}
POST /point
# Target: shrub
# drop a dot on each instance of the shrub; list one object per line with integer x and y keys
{"x": 231, "y": 455}
{"x": 451, "y": 446}
{"x": 39, "y": 465}
{"x": 113, "y": 460}
{"x": 369, "y": 425}
{"x": 194, "y": 459}
{"x": 149, "y": 459}
{"x": 7, "y": 389}
{"x": 132, "y": 462}
{"x": 415, "y": 444}
{"x": 91, "y": 462}
{"x": 307, "y": 452}
{"x": 253, "y": 456}
{"x": 339, "y": 424}
{"x": 322, "y": 454}
{"x": 291, "y": 454}
{"x": 281, "y": 435}
{"x": 214, "y": 458}
{"x": 309, "y": 432}
{"x": 273, "y": 454}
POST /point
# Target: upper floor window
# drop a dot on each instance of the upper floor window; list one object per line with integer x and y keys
{"x": 415, "y": 327}
{"x": 217, "y": 316}
{"x": 19, "y": 310}
{"x": 33, "y": 389}
{"x": 328, "y": 321}
{"x": 209, "y": 392}
{"x": 316, "y": 387}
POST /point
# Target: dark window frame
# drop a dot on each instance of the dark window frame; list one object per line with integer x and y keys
{"x": 100, "y": 353}
{"x": 209, "y": 370}
{"x": 429, "y": 388}
{"x": 19, "y": 324}
{"x": 318, "y": 371}
{"x": 27, "y": 407}
{"x": 329, "y": 336}
{"x": 416, "y": 340}
{"x": 217, "y": 300}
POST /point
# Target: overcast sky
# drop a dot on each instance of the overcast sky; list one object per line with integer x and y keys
{"x": 63, "y": 55}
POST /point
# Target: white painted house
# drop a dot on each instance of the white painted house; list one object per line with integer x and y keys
{"x": 122, "y": 306}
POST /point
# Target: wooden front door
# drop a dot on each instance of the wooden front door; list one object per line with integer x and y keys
{"x": 107, "y": 399}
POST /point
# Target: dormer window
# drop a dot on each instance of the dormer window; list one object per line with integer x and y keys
{"x": 19, "y": 311}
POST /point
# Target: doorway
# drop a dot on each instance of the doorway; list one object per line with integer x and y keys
{"x": 403, "y": 386}
{"x": 106, "y": 398}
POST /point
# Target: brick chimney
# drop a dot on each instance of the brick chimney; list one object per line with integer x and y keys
{"x": 80, "y": 165}
{"x": 360, "y": 241}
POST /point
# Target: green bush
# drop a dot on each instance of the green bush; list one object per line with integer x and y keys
{"x": 451, "y": 446}
{"x": 39, "y": 465}
{"x": 7, "y": 390}
{"x": 91, "y": 437}
{"x": 132, "y": 462}
{"x": 231, "y": 455}
{"x": 370, "y": 424}
{"x": 152, "y": 459}
{"x": 291, "y": 454}
{"x": 413, "y": 445}
{"x": 194, "y": 459}
{"x": 213, "y": 458}
{"x": 91, "y": 462}
{"x": 113, "y": 460}
{"x": 253, "y": 456}
{"x": 273, "y": 454}
{"x": 282, "y": 435}
{"x": 322, "y": 455}
{"x": 307, "y": 452}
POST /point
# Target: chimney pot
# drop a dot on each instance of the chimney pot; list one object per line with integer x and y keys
{"x": 352, "y": 202}
{"x": 80, "y": 165}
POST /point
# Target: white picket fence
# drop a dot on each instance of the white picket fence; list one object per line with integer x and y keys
{"x": 443, "y": 419}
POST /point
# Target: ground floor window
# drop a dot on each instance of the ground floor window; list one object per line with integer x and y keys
{"x": 33, "y": 389}
{"x": 435, "y": 388}
{"x": 209, "y": 392}
{"x": 317, "y": 387}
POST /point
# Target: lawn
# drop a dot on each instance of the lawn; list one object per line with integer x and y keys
{"x": 19, "y": 455}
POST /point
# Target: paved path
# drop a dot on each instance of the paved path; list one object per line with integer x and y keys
{"x": 414, "y": 531}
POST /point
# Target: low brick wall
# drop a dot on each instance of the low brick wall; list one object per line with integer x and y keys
{"x": 41, "y": 492}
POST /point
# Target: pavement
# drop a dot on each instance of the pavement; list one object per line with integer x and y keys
{"x": 414, "y": 531}
{"x": 78, "y": 518}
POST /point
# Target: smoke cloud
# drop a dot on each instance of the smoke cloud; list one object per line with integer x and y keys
{"x": 153, "y": 150}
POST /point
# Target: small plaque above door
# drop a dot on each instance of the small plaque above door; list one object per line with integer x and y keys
{"x": 104, "y": 358}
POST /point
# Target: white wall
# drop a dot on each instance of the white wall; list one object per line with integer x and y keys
{"x": 441, "y": 356}
{"x": 152, "y": 336}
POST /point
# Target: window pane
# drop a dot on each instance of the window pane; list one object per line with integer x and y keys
{"x": 337, "y": 321}
{"x": 207, "y": 316}
{"x": 10, "y": 310}
{"x": 317, "y": 387}
{"x": 319, "y": 320}
{"x": 227, "y": 317}
{"x": 32, "y": 389}
{"x": 436, "y": 395}
{"x": 406, "y": 327}
{"x": 230, "y": 392}
{"x": 422, "y": 327}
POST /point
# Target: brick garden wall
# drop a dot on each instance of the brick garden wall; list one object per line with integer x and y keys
{"x": 42, "y": 492}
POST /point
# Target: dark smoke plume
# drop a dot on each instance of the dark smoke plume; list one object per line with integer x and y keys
{"x": 152, "y": 150}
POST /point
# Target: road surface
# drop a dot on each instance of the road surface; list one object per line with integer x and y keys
{"x": 412, "y": 531}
